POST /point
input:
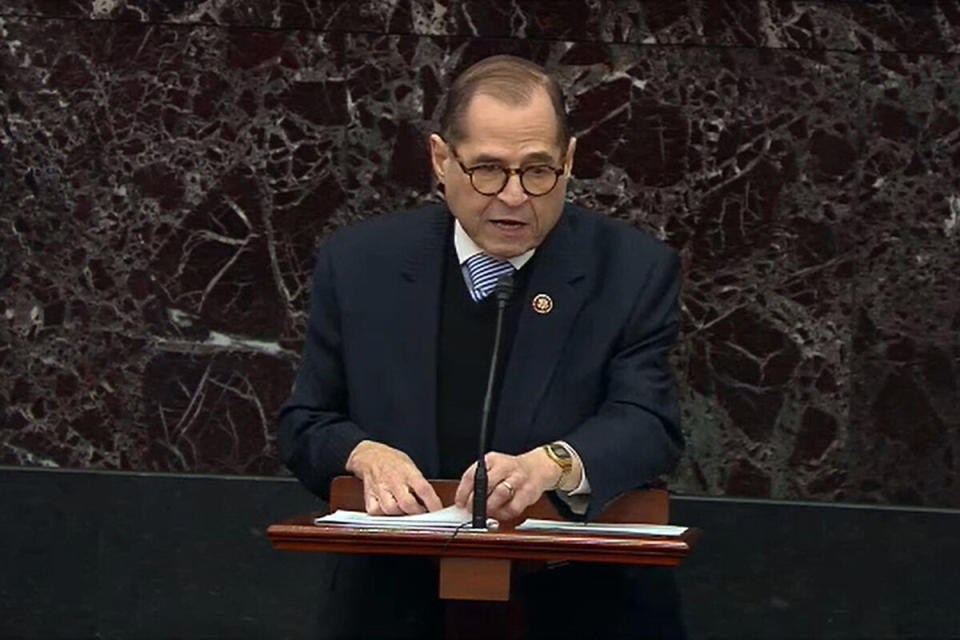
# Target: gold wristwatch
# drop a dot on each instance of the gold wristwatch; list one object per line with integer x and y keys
{"x": 561, "y": 455}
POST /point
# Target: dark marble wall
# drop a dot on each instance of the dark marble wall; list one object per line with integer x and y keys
{"x": 166, "y": 169}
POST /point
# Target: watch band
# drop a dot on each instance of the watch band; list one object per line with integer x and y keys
{"x": 561, "y": 455}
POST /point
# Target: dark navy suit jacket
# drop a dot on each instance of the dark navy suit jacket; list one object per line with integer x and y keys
{"x": 593, "y": 372}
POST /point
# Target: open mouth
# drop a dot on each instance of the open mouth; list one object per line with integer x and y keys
{"x": 508, "y": 224}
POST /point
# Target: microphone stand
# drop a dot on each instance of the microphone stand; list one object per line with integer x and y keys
{"x": 503, "y": 290}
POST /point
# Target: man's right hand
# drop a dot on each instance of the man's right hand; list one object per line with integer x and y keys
{"x": 392, "y": 484}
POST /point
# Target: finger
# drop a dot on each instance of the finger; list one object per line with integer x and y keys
{"x": 407, "y": 501}
{"x": 388, "y": 504}
{"x": 499, "y": 462}
{"x": 499, "y": 496}
{"x": 506, "y": 512}
{"x": 512, "y": 509}
{"x": 426, "y": 493}
{"x": 465, "y": 488}
{"x": 497, "y": 474}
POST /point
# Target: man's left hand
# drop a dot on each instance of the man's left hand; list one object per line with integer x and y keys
{"x": 513, "y": 482}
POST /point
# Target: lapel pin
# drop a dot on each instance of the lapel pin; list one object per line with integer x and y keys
{"x": 542, "y": 303}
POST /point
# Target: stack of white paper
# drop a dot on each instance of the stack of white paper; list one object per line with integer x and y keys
{"x": 588, "y": 528}
{"x": 445, "y": 519}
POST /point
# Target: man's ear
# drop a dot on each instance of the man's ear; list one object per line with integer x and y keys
{"x": 439, "y": 153}
{"x": 571, "y": 147}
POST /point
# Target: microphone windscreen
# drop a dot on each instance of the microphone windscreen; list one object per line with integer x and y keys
{"x": 504, "y": 288}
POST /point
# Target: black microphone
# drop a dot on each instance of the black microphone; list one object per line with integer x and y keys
{"x": 502, "y": 292}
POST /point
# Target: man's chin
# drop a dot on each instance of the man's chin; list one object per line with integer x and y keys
{"x": 505, "y": 251}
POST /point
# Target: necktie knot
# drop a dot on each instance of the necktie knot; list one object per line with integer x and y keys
{"x": 484, "y": 272}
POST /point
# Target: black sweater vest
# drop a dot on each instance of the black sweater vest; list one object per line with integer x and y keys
{"x": 466, "y": 334}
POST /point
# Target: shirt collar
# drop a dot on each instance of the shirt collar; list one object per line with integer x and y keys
{"x": 467, "y": 248}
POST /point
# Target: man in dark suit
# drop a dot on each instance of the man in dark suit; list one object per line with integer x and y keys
{"x": 401, "y": 328}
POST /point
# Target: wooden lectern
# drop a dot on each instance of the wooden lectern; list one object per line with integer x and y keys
{"x": 477, "y": 565}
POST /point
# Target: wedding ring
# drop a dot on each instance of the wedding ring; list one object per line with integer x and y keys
{"x": 509, "y": 487}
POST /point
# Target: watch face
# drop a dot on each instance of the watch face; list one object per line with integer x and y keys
{"x": 561, "y": 452}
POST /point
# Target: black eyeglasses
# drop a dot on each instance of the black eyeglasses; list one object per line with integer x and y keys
{"x": 491, "y": 179}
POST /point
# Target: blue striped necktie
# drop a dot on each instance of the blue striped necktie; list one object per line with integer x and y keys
{"x": 484, "y": 272}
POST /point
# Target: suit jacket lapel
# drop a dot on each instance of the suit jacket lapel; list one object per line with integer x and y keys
{"x": 417, "y": 314}
{"x": 559, "y": 270}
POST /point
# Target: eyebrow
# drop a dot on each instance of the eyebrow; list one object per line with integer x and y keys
{"x": 537, "y": 157}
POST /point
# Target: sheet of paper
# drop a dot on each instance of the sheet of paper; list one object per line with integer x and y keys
{"x": 608, "y": 528}
{"x": 449, "y": 518}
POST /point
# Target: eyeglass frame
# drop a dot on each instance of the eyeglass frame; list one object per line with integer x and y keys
{"x": 508, "y": 172}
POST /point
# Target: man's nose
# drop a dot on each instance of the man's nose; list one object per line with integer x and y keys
{"x": 513, "y": 194}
